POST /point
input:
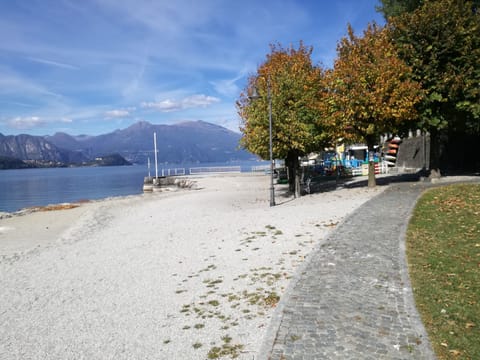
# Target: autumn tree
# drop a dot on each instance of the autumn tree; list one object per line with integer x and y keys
{"x": 390, "y": 8}
{"x": 440, "y": 40}
{"x": 290, "y": 80}
{"x": 370, "y": 90}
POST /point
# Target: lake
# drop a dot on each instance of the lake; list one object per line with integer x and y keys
{"x": 39, "y": 187}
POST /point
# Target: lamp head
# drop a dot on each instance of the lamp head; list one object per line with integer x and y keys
{"x": 254, "y": 95}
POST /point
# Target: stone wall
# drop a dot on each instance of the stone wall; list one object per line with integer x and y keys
{"x": 414, "y": 152}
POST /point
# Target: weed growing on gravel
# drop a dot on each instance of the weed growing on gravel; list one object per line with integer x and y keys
{"x": 272, "y": 299}
{"x": 227, "y": 339}
{"x": 227, "y": 349}
{"x": 294, "y": 337}
{"x": 211, "y": 283}
{"x": 208, "y": 268}
{"x": 197, "y": 345}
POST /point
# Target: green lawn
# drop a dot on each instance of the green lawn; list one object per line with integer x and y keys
{"x": 443, "y": 249}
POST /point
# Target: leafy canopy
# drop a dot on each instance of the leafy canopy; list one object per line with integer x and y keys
{"x": 370, "y": 88}
{"x": 441, "y": 42}
{"x": 391, "y": 8}
{"x": 290, "y": 80}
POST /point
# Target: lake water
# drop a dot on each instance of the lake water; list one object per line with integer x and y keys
{"x": 38, "y": 187}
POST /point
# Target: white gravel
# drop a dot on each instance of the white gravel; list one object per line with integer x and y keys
{"x": 158, "y": 276}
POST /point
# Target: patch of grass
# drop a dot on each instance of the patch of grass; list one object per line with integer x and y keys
{"x": 227, "y": 339}
{"x": 295, "y": 337}
{"x": 272, "y": 299}
{"x": 260, "y": 233}
{"x": 233, "y": 297}
{"x": 199, "y": 326}
{"x": 214, "y": 302}
{"x": 185, "y": 308}
{"x": 211, "y": 283}
{"x": 443, "y": 249}
{"x": 208, "y": 268}
{"x": 197, "y": 345}
{"x": 233, "y": 351}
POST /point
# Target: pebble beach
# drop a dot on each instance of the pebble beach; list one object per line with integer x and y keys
{"x": 186, "y": 274}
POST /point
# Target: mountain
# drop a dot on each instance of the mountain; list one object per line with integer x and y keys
{"x": 36, "y": 148}
{"x": 187, "y": 142}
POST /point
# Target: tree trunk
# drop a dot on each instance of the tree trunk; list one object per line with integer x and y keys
{"x": 435, "y": 153}
{"x": 372, "y": 181}
{"x": 293, "y": 165}
{"x": 290, "y": 173}
{"x": 297, "y": 179}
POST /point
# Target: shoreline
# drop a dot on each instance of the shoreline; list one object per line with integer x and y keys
{"x": 174, "y": 274}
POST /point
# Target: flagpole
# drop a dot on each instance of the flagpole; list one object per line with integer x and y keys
{"x": 155, "y": 145}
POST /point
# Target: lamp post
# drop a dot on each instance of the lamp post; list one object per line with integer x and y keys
{"x": 254, "y": 96}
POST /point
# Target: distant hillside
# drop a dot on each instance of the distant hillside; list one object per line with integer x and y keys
{"x": 110, "y": 160}
{"x": 36, "y": 148}
{"x": 12, "y": 163}
{"x": 187, "y": 142}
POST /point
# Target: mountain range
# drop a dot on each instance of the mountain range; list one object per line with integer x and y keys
{"x": 186, "y": 142}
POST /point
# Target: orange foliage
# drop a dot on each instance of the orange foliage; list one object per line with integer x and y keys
{"x": 371, "y": 90}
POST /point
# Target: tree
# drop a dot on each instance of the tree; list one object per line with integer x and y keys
{"x": 390, "y": 8}
{"x": 440, "y": 40}
{"x": 394, "y": 8}
{"x": 370, "y": 90}
{"x": 292, "y": 82}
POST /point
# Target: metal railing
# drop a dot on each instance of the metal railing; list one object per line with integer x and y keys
{"x": 173, "y": 172}
{"x": 215, "y": 170}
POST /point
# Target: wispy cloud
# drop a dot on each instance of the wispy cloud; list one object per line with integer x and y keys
{"x": 230, "y": 87}
{"x": 14, "y": 83}
{"x": 194, "y": 101}
{"x": 119, "y": 113}
{"x": 54, "y": 63}
{"x": 26, "y": 123}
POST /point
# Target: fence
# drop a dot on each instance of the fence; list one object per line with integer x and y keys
{"x": 380, "y": 168}
{"x": 215, "y": 170}
{"x": 172, "y": 172}
{"x": 260, "y": 168}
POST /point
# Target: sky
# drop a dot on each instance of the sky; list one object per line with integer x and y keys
{"x": 94, "y": 66}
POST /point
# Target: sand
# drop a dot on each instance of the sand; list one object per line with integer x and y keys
{"x": 168, "y": 275}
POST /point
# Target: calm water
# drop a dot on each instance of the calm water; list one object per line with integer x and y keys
{"x": 37, "y": 187}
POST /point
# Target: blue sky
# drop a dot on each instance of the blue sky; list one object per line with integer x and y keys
{"x": 94, "y": 66}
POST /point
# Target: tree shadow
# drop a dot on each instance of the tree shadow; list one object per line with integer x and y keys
{"x": 283, "y": 195}
{"x": 385, "y": 180}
